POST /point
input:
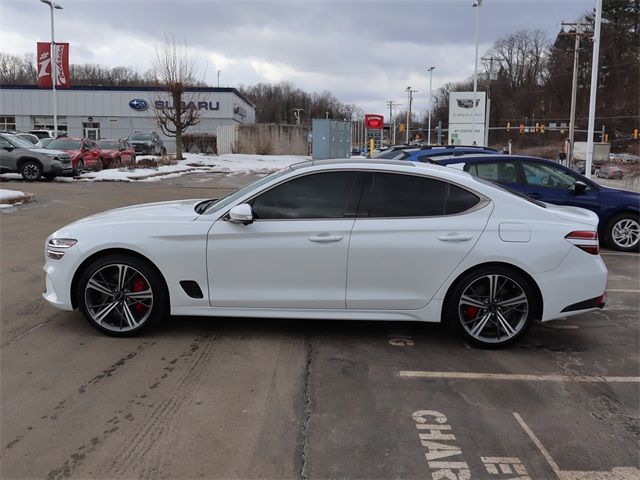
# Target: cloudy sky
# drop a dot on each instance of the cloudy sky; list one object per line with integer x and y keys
{"x": 364, "y": 52}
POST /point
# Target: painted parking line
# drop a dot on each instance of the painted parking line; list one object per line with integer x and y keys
{"x": 626, "y": 290}
{"x": 617, "y": 473}
{"x": 620, "y": 254}
{"x": 515, "y": 377}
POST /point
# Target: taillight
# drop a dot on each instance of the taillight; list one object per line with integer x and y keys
{"x": 586, "y": 240}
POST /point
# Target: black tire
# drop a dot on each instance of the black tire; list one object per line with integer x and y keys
{"x": 467, "y": 317}
{"x": 79, "y": 170}
{"x": 105, "y": 271}
{"x": 31, "y": 170}
{"x": 163, "y": 151}
{"x": 98, "y": 166}
{"x": 623, "y": 232}
{"x": 117, "y": 163}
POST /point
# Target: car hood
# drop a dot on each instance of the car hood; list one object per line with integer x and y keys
{"x": 48, "y": 151}
{"x": 161, "y": 211}
{"x": 574, "y": 214}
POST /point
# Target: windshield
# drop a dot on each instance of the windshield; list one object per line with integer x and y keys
{"x": 20, "y": 142}
{"x": 108, "y": 144}
{"x": 64, "y": 144}
{"x": 240, "y": 193}
{"x": 140, "y": 136}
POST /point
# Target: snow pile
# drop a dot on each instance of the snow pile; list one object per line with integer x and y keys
{"x": 193, "y": 163}
{"x": 624, "y": 157}
{"x": 7, "y": 196}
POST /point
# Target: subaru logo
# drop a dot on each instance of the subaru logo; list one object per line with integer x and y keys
{"x": 139, "y": 104}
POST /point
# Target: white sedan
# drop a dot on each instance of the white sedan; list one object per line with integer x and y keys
{"x": 358, "y": 240}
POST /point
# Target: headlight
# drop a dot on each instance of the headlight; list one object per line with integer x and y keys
{"x": 61, "y": 242}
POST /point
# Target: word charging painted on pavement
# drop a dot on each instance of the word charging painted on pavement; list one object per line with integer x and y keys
{"x": 61, "y": 59}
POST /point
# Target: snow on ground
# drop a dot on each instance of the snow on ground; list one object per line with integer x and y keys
{"x": 7, "y": 195}
{"x": 232, "y": 164}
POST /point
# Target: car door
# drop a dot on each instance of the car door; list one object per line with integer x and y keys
{"x": 7, "y": 156}
{"x": 411, "y": 232}
{"x": 556, "y": 184}
{"x": 294, "y": 254}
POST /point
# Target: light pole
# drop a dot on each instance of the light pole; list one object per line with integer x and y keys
{"x": 54, "y": 74}
{"x": 219, "y": 78}
{"x": 476, "y": 5}
{"x": 430, "y": 70}
{"x": 410, "y": 93}
{"x": 594, "y": 88}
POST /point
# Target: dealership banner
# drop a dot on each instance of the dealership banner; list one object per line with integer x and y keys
{"x": 61, "y": 57}
{"x": 461, "y": 118}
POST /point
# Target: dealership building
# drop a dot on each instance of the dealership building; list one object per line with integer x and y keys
{"x": 116, "y": 112}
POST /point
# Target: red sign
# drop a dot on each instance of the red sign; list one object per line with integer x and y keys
{"x": 373, "y": 121}
{"x": 61, "y": 57}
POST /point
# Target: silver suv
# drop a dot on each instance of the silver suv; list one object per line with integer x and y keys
{"x": 18, "y": 155}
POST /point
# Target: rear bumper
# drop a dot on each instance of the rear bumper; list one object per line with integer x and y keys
{"x": 575, "y": 286}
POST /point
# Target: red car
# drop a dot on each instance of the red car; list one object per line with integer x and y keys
{"x": 116, "y": 153}
{"x": 84, "y": 153}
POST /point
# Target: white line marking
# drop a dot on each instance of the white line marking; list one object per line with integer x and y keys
{"x": 622, "y": 290}
{"x": 515, "y": 376}
{"x": 534, "y": 439}
{"x": 620, "y": 254}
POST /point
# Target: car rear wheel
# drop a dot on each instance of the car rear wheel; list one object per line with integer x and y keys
{"x": 493, "y": 306}
{"x": 121, "y": 295}
{"x": 31, "y": 170}
{"x": 623, "y": 232}
{"x": 98, "y": 166}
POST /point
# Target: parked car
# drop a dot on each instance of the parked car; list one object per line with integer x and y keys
{"x": 19, "y": 155}
{"x": 551, "y": 182}
{"x": 45, "y": 133}
{"x": 610, "y": 171}
{"x": 116, "y": 153}
{"x": 32, "y": 139}
{"x": 147, "y": 143}
{"x": 84, "y": 153}
{"x": 581, "y": 167}
{"x": 424, "y": 154}
{"x": 336, "y": 239}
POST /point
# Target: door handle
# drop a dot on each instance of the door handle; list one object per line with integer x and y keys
{"x": 534, "y": 195}
{"x": 455, "y": 238}
{"x": 326, "y": 238}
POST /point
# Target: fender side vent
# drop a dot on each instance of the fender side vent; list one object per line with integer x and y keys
{"x": 191, "y": 288}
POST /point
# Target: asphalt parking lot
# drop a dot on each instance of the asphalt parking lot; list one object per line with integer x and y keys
{"x": 245, "y": 398}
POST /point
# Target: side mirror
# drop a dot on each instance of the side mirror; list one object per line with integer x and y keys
{"x": 8, "y": 149}
{"x": 241, "y": 214}
{"x": 580, "y": 187}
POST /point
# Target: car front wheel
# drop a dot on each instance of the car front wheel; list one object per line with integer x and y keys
{"x": 31, "y": 170}
{"x": 493, "y": 306}
{"x": 121, "y": 295}
{"x": 623, "y": 232}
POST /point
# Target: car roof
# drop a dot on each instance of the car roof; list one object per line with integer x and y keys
{"x": 490, "y": 157}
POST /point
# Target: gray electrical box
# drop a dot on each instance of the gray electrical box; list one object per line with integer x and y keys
{"x": 331, "y": 139}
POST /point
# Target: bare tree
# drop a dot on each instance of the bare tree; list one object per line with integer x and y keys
{"x": 175, "y": 68}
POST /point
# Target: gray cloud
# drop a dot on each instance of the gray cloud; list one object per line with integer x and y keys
{"x": 365, "y": 52}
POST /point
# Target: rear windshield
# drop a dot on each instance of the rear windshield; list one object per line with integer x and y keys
{"x": 64, "y": 144}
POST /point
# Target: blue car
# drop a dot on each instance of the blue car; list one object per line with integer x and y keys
{"x": 550, "y": 182}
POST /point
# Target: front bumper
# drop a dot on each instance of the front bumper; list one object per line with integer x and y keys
{"x": 58, "y": 277}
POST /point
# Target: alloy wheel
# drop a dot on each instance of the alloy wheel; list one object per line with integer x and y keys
{"x": 625, "y": 233}
{"x": 493, "y": 308}
{"x": 31, "y": 171}
{"x": 118, "y": 297}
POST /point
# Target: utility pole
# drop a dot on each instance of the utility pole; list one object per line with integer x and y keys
{"x": 410, "y": 93}
{"x": 219, "y": 78}
{"x": 594, "y": 88}
{"x": 392, "y": 120}
{"x": 395, "y": 108}
{"x": 578, "y": 33}
{"x": 491, "y": 76}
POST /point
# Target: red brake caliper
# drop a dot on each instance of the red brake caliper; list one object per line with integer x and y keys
{"x": 139, "y": 285}
{"x": 470, "y": 312}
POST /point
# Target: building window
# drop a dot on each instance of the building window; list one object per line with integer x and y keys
{"x": 91, "y": 130}
{"x": 7, "y": 123}
{"x": 46, "y": 123}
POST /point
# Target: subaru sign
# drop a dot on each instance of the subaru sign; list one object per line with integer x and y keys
{"x": 139, "y": 104}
